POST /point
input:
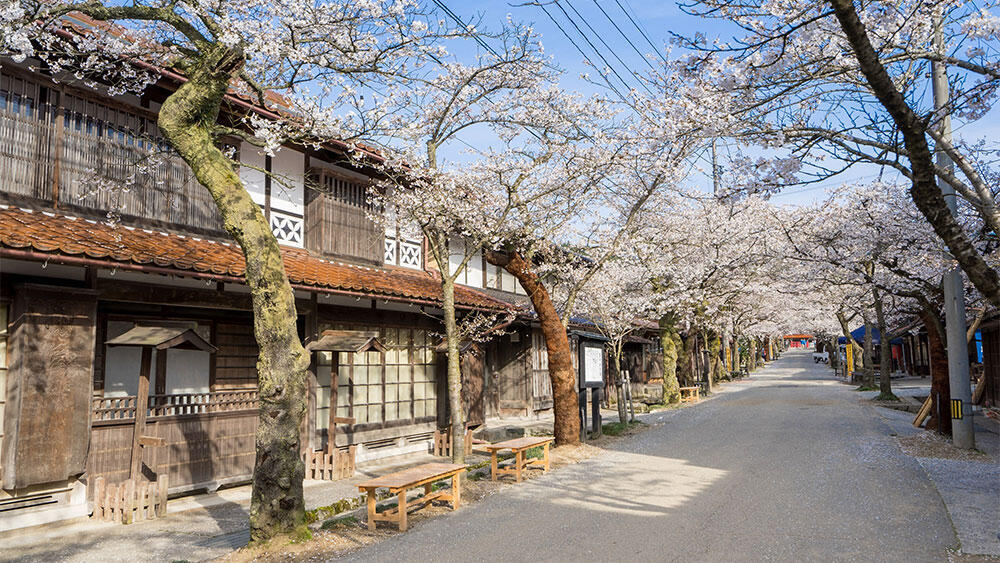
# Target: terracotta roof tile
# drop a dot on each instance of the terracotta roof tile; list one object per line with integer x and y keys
{"x": 54, "y": 235}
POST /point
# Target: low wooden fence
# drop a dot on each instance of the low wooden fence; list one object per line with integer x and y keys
{"x": 330, "y": 466}
{"x": 130, "y": 501}
{"x": 443, "y": 442}
{"x": 209, "y": 438}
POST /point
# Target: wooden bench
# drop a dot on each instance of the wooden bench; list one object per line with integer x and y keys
{"x": 689, "y": 394}
{"x": 401, "y": 481}
{"x": 519, "y": 446}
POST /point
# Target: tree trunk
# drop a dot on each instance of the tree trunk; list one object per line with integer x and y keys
{"x": 714, "y": 344}
{"x": 564, "y": 394}
{"x": 940, "y": 418}
{"x": 186, "y": 118}
{"x": 885, "y": 349}
{"x": 868, "y": 354}
{"x": 923, "y": 189}
{"x": 668, "y": 332}
{"x": 454, "y": 371}
{"x": 616, "y": 355}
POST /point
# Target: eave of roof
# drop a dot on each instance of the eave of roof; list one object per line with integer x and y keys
{"x": 57, "y": 238}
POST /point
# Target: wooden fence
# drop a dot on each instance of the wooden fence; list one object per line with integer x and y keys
{"x": 443, "y": 442}
{"x": 209, "y": 438}
{"x": 330, "y": 466}
{"x": 131, "y": 500}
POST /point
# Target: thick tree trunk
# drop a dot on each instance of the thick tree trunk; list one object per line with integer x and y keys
{"x": 923, "y": 189}
{"x": 186, "y": 118}
{"x": 885, "y": 349}
{"x": 869, "y": 359}
{"x": 714, "y": 369}
{"x": 668, "y": 334}
{"x": 564, "y": 394}
{"x": 940, "y": 419}
{"x": 454, "y": 371}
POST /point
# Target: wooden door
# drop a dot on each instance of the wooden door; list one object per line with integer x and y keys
{"x": 474, "y": 386}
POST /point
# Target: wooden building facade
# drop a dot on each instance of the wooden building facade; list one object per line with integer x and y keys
{"x": 71, "y": 280}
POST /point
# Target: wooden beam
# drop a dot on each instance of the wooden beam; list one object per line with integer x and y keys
{"x": 141, "y": 403}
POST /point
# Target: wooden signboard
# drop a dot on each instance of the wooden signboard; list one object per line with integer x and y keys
{"x": 47, "y": 419}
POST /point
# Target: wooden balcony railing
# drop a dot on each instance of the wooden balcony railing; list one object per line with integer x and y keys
{"x": 86, "y": 163}
{"x": 182, "y": 404}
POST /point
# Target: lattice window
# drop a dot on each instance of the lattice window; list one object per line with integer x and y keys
{"x": 409, "y": 254}
{"x": 390, "y": 250}
{"x": 406, "y": 390}
{"x": 402, "y": 251}
{"x": 286, "y": 228}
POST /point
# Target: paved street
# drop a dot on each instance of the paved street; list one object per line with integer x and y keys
{"x": 788, "y": 466}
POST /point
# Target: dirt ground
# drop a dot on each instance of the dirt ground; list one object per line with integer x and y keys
{"x": 929, "y": 444}
{"x": 348, "y": 531}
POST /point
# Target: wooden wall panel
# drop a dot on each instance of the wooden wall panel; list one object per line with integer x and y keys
{"x": 49, "y": 383}
{"x": 236, "y": 360}
{"x": 200, "y": 449}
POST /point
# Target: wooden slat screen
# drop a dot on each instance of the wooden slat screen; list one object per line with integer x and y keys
{"x": 64, "y": 147}
{"x": 337, "y": 219}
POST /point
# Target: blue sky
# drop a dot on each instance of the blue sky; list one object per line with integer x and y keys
{"x": 646, "y": 23}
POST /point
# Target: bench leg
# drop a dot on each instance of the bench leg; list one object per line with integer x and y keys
{"x": 428, "y": 489}
{"x": 493, "y": 465}
{"x": 545, "y": 451}
{"x": 371, "y": 509}
{"x": 456, "y": 491}
{"x": 518, "y": 463}
{"x": 402, "y": 510}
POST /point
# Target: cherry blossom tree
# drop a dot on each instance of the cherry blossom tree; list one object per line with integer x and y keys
{"x": 539, "y": 157}
{"x": 213, "y": 55}
{"x": 616, "y": 299}
{"x": 835, "y": 85}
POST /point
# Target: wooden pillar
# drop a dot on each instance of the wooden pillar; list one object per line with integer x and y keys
{"x": 141, "y": 404}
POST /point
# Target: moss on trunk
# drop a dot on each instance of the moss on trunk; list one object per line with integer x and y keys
{"x": 668, "y": 342}
{"x": 186, "y": 119}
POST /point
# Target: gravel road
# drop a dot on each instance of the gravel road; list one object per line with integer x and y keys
{"x": 789, "y": 465}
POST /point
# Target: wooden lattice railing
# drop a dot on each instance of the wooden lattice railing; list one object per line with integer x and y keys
{"x": 181, "y": 404}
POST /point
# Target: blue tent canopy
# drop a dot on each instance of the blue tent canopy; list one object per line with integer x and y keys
{"x": 859, "y": 336}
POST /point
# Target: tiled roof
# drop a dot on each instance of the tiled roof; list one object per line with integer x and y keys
{"x": 53, "y": 235}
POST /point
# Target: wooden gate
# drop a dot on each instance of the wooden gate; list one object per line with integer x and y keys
{"x": 474, "y": 386}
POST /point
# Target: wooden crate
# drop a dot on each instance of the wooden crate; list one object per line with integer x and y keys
{"x": 130, "y": 500}
{"x": 330, "y": 466}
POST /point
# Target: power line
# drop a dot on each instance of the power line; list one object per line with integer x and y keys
{"x": 608, "y": 47}
{"x": 627, "y": 38}
{"x": 595, "y": 49}
{"x": 486, "y": 46}
{"x": 582, "y": 53}
{"x": 641, "y": 30}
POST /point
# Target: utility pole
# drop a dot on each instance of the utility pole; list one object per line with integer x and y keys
{"x": 715, "y": 172}
{"x": 963, "y": 434}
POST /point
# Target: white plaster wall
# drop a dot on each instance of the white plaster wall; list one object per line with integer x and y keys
{"x": 290, "y": 166}
{"x": 253, "y": 179}
{"x": 187, "y": 370}
{"x": 474, "y": 276}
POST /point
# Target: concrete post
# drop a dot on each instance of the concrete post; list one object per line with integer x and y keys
{"x": 963, "y": 434}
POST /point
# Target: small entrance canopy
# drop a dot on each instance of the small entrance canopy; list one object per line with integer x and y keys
{"x": 352, "y": 342}
{"x": 346, "y": 341}
{"x": 163, "y": 338}
{"x": 464, "y": 346}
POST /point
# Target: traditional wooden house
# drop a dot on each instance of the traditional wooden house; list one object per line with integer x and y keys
{"x": 73, "y": 282}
